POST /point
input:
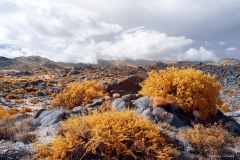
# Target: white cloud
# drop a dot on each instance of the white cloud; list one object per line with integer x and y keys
{"x": 137, "y": 43}
{"x": 199, "y": 55}
{"x": 10, "y": 52}
{"x": 49, "y": 26}
{"x": 222, "y": 43}
{"x": 231, "y": 49}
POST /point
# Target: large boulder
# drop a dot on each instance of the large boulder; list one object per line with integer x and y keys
{"x": 49, "y": 117}
{"x": 129, "y": 85}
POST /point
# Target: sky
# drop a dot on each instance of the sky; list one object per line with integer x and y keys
{"x": 88, "y": 30}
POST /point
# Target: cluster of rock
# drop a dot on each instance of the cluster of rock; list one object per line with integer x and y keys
{"x": 171, "y": 114}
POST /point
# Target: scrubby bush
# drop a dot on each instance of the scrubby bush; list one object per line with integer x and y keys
{"x": 190, "y": 88}
{"x": 11, "y": 96}
{"x": 207, "y": 139}
{"x": 8, "y": 112}
{"x": 224, "y": 107}
{"x": 25, "y": 109}
{"x": 10, "y": 129}
{"x": 112, "y": 135}
{"x": 78, "y": 94}
{"x": 6, "y": 127}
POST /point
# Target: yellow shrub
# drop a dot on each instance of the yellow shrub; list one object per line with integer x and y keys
{"x": 33, "y": 101}
{"x": 78, "y": 94}
{"x": 224, "y": 107}
{"x": 8, "y": 112}
{"x": 19, "y": 90}
{"x": 188, "y": 87}
{"x": 25, "y": 109}
{"x": 19, "y": 101}
{"x": 110, "y": 135}
{"x": 11, "y": 96}
{"x": 206, "y": 140}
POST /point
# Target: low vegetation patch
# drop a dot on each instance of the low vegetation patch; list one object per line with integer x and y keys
{"x": 207, "y": 139}
{"x": 76, "y": 94}
{"x": 111, "y": 134}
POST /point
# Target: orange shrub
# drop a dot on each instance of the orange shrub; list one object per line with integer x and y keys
{"x": 8, "y": 112}
{"x": 25, "y": 109}
{"x": 19, "y": 90}
{"x": 188, "y": 87}
{"x": 11, "y": 96}
{"x": 112, "y": 135}
{"x": 33, "y": 101}
{"x": 206, "y": 140}
{"x": 19, "y": 101}
{"x": 224, "y": 107}
{"x": 78, "y": 94}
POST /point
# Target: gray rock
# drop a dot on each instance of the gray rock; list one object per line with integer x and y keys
{"x": 229, "y": 123}
{"x": 116, "y": 102}
{"x": 142, "y": 103}
{"x": 168, "y": 118}
{"x": 73, "y": 72}
{"x": 22, "y": 116}
{"x": 49, "y": 117}
{"x": 53, "y": 118}
{"x": 37, "y": 82}
{"x": 119, "y": 104}
{"x": 158, "y": 111}
{"x": 185, "y": 146}
{"x": 38, "y": 94}
{"x": 79, "y": 110}
{"x": 95, "y": 102}
{"x": 129, "y": 97}
{"x": 233, "y": 114}
{"x": 179, "y": 123}
{"x": 147, "y": 113}
{"x": 39, "y": 112}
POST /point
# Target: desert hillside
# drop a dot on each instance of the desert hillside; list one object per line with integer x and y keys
{"x": 119, "y": 109}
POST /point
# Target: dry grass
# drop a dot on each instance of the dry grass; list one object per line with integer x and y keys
{"x": 235, "y": 107}
{"x": 19, "y": 101}
{"x": 207, "y": 139}
{"x": 21, "y": 131}
{"x": 25, "y": 109}
{"x": 33, "y": 101}
{"x": 224, "y": 107}
{"x": 7, "y": 128}
{"x": 13, "y": 130}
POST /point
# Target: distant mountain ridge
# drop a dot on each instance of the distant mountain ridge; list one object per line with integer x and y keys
{"x": 34, "y": 62}
{"x": 31, "y": 62}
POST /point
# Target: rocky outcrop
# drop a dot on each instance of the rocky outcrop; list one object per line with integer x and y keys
{"x": 49, "y": 117}
{"x": 129, "y": 85}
